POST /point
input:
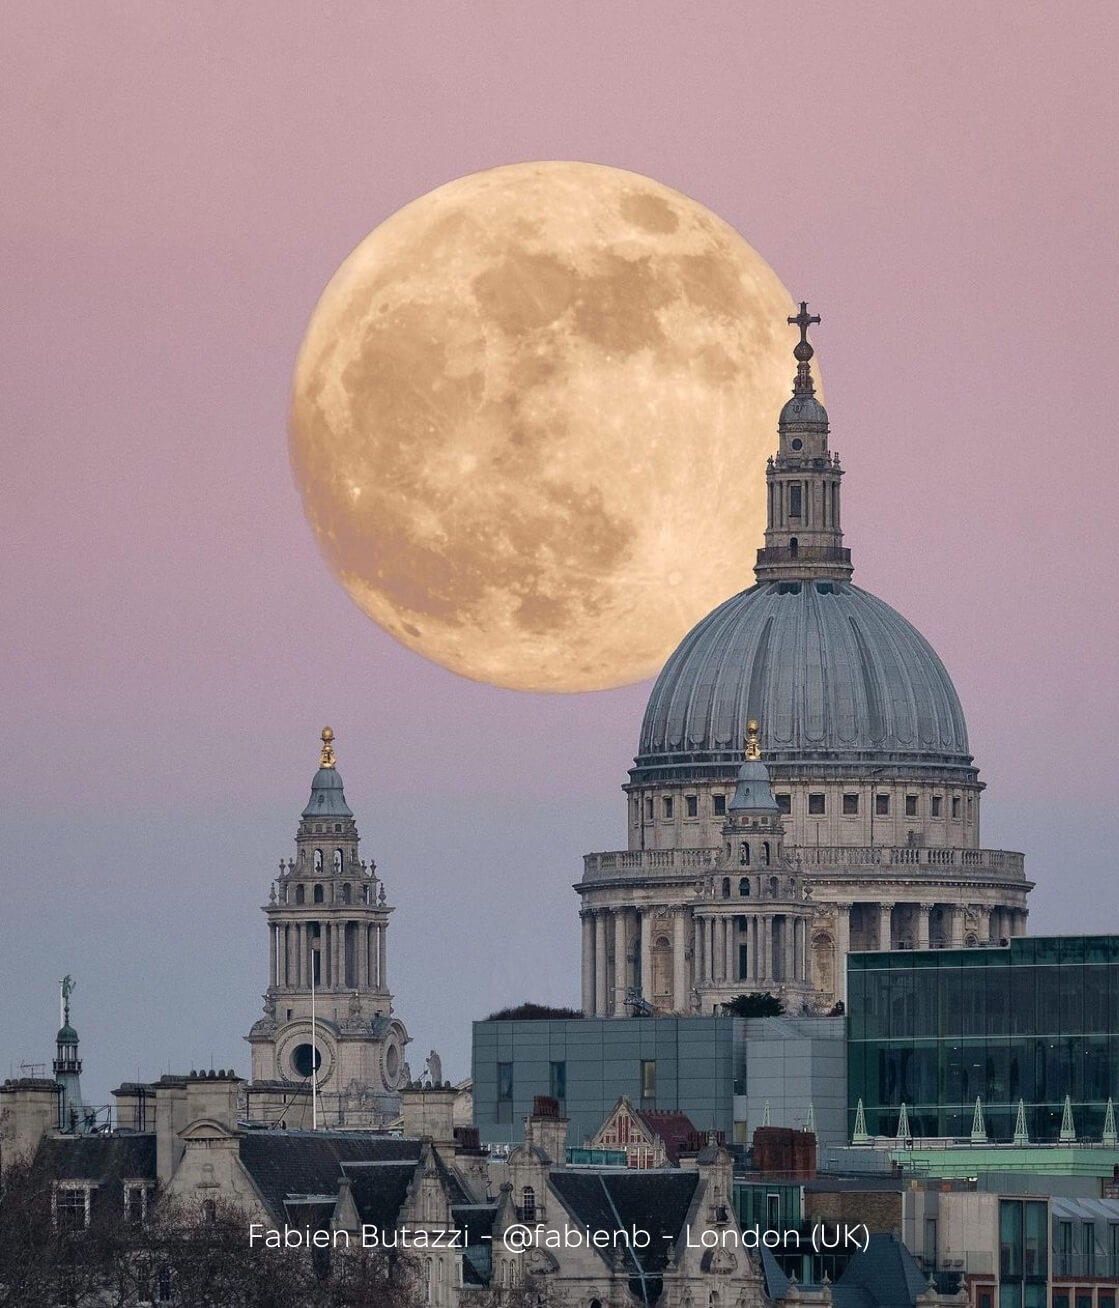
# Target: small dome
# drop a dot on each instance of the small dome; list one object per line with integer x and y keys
{"x": 67, "y": 1035}
{"x": 833, "y": 675}
{"x": 753, "y": 793}
{"x": 328, "y": 799}
{"x": 803, "y": 409}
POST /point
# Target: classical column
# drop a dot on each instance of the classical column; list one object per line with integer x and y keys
{"x": 956, "y": 926}
{"x": 382, "y": 937}
{"x": 885, "y": 926}
{"x": 709, "y": 948}
{"x": 923, "y": 911}
{"x": 300, "y": 955}
{"x": 679, "y": 962}
{"x": 588, "y": 962}
{"x": 795, "y": 925}
{"x": 729, "y": 942}
{"x": 619, "y": 962}
{"x": 600, "y": 975}
{"x": 645, "y": 917}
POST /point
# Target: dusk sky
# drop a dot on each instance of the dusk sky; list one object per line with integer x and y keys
{"x": 180, "y": 182}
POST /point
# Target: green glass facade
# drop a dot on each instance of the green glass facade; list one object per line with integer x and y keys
{"x": 935, "y": 1029}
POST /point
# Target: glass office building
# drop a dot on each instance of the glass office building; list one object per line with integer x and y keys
{"x": 1037, "y": 1020}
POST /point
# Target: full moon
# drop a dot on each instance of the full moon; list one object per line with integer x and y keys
{"x": 530, "y": 419}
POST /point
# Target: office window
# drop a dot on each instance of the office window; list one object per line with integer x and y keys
{"x": 505, "y": 1092}
{"x": 937, "y": 802}
{"x": 1088, "y": 1243}
{"x": 881, "y": 805}
{"x": 816, "y": 805}
{"x": 691, "y": 805}
{"x": 784, "y": 803}
{"x": 667, "y": 803}
{"x": 911, "y": 806}
{"x": 850, "y": 805}
{"x": 648, "y": 1078}
{"x": 1113, "y": 1248}
{"x": 720, "y": 805}
{"x": 557, "y": 1080}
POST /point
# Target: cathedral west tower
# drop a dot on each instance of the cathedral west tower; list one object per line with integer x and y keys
{"x": 328, "y": 1015}
{"x": 865, "y": 744}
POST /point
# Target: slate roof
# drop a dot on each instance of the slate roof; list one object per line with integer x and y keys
{"x": 286, "y": 1163}
{"x": 657, "y": 1201}
{"x": 885, "y": 1276}
{"x": 379, "y": 1188}
{"x": 101, "y": 1158}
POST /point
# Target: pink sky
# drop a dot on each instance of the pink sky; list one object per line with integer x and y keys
{"x": 179, "y": 182}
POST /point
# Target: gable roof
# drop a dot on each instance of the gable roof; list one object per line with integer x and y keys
{"x": 283, "y": 1164}
{"x": 656, "y": 1201}
{"x": 885, "y": 1275}
{"x": 674, "y": 1129}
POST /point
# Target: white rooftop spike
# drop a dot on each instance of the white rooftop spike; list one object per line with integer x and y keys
{"x": 860, "y": 1136}
{"x": 1109, "y": 1136}
{"x": 1068, "y": 1128}
{"x": 765, "y": 1114}
{"x": 810, "y": 1120}
{"x": 1021, "y": 1134}
{"x": 978, "y": 1125}
{"x": 905, "y": 1135}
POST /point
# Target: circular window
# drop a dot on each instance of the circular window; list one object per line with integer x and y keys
{"x": 798, "y": 444}
{"x": 305, "y": 1059}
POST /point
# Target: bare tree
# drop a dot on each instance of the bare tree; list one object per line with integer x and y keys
{"x": 199, "y": 1257}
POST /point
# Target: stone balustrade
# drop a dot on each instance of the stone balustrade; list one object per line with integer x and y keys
{"x": 977, "y": 864}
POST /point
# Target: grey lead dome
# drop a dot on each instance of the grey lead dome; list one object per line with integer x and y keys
{"x": 832, "y": 674}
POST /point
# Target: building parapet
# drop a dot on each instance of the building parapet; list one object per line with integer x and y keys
{"x": 976, "y": 864}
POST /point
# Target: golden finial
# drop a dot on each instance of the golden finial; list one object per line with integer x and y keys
{"x": 326, "y": 758}
{"x": 753, "y": 749}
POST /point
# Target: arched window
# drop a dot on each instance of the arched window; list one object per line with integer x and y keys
{"x": 318, "y": 894}
{"x": 300, "y": 895}
{"x": 209, "y": 1211}
{"x": 765, "y": 852}
{"x": 346, "y": 893}
{"x": 744, "y": 853}
{"x": 427, "y": 1280}
{"x": 528, "y": 1204}
{"x": 318, "y": 860}
{"x": 744, "y": 886}
{"x": 338, "y": 862}
{"x": 794, "y": 547}
{"x": 726, "y": 887}
{"x": 773, "y": 886}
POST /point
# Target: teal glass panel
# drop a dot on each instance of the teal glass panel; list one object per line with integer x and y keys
{"x": 998, "y": 1001}
{"x": 1010, "y": 1239}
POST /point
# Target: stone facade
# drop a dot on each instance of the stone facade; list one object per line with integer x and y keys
{"x": 866, "y": 747}
{"x": 328, "y": 1003}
